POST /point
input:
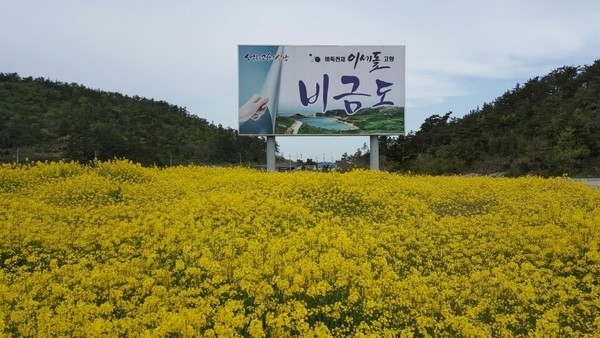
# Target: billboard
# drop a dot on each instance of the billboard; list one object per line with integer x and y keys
{"x": 321, "y": 90}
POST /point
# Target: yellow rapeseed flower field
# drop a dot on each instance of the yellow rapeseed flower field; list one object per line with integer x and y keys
{"x": 118, "y": 250}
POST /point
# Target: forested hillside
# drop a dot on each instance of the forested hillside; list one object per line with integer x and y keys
{"x": 49, "y": 120}
{"x": 548, "y": 126}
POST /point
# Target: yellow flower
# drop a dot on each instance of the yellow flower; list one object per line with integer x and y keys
{"x": 116, "y": 249}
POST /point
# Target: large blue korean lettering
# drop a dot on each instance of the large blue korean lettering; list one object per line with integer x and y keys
{"x": 381, "y": 93}
{"x": 306, "y": 100}
{"x": 351, "y": 106}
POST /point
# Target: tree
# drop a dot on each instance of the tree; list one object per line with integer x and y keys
{"x": 547, "y": 126}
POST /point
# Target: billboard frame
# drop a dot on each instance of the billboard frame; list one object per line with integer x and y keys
{"x": 321, "y": 90}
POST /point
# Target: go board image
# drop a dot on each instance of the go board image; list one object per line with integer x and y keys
{"x": 321, "y": 90}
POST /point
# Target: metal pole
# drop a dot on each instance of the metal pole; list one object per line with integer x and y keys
{"x": 374, "y": 158}
{"x": 271, "y": 153}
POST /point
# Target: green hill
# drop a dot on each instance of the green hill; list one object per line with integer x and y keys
{"x": 49, "y": 120}
{"x": 548, "y": 126}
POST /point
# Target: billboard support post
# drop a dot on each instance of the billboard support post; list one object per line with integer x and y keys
{"x": 374, "y": 152}
{"x": 270, "y": 153}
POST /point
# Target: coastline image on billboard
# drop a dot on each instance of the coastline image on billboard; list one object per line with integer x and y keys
{"x": 321, "y": 90}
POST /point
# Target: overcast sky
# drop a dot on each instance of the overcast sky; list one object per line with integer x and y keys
{"x": 459, "y": 54}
